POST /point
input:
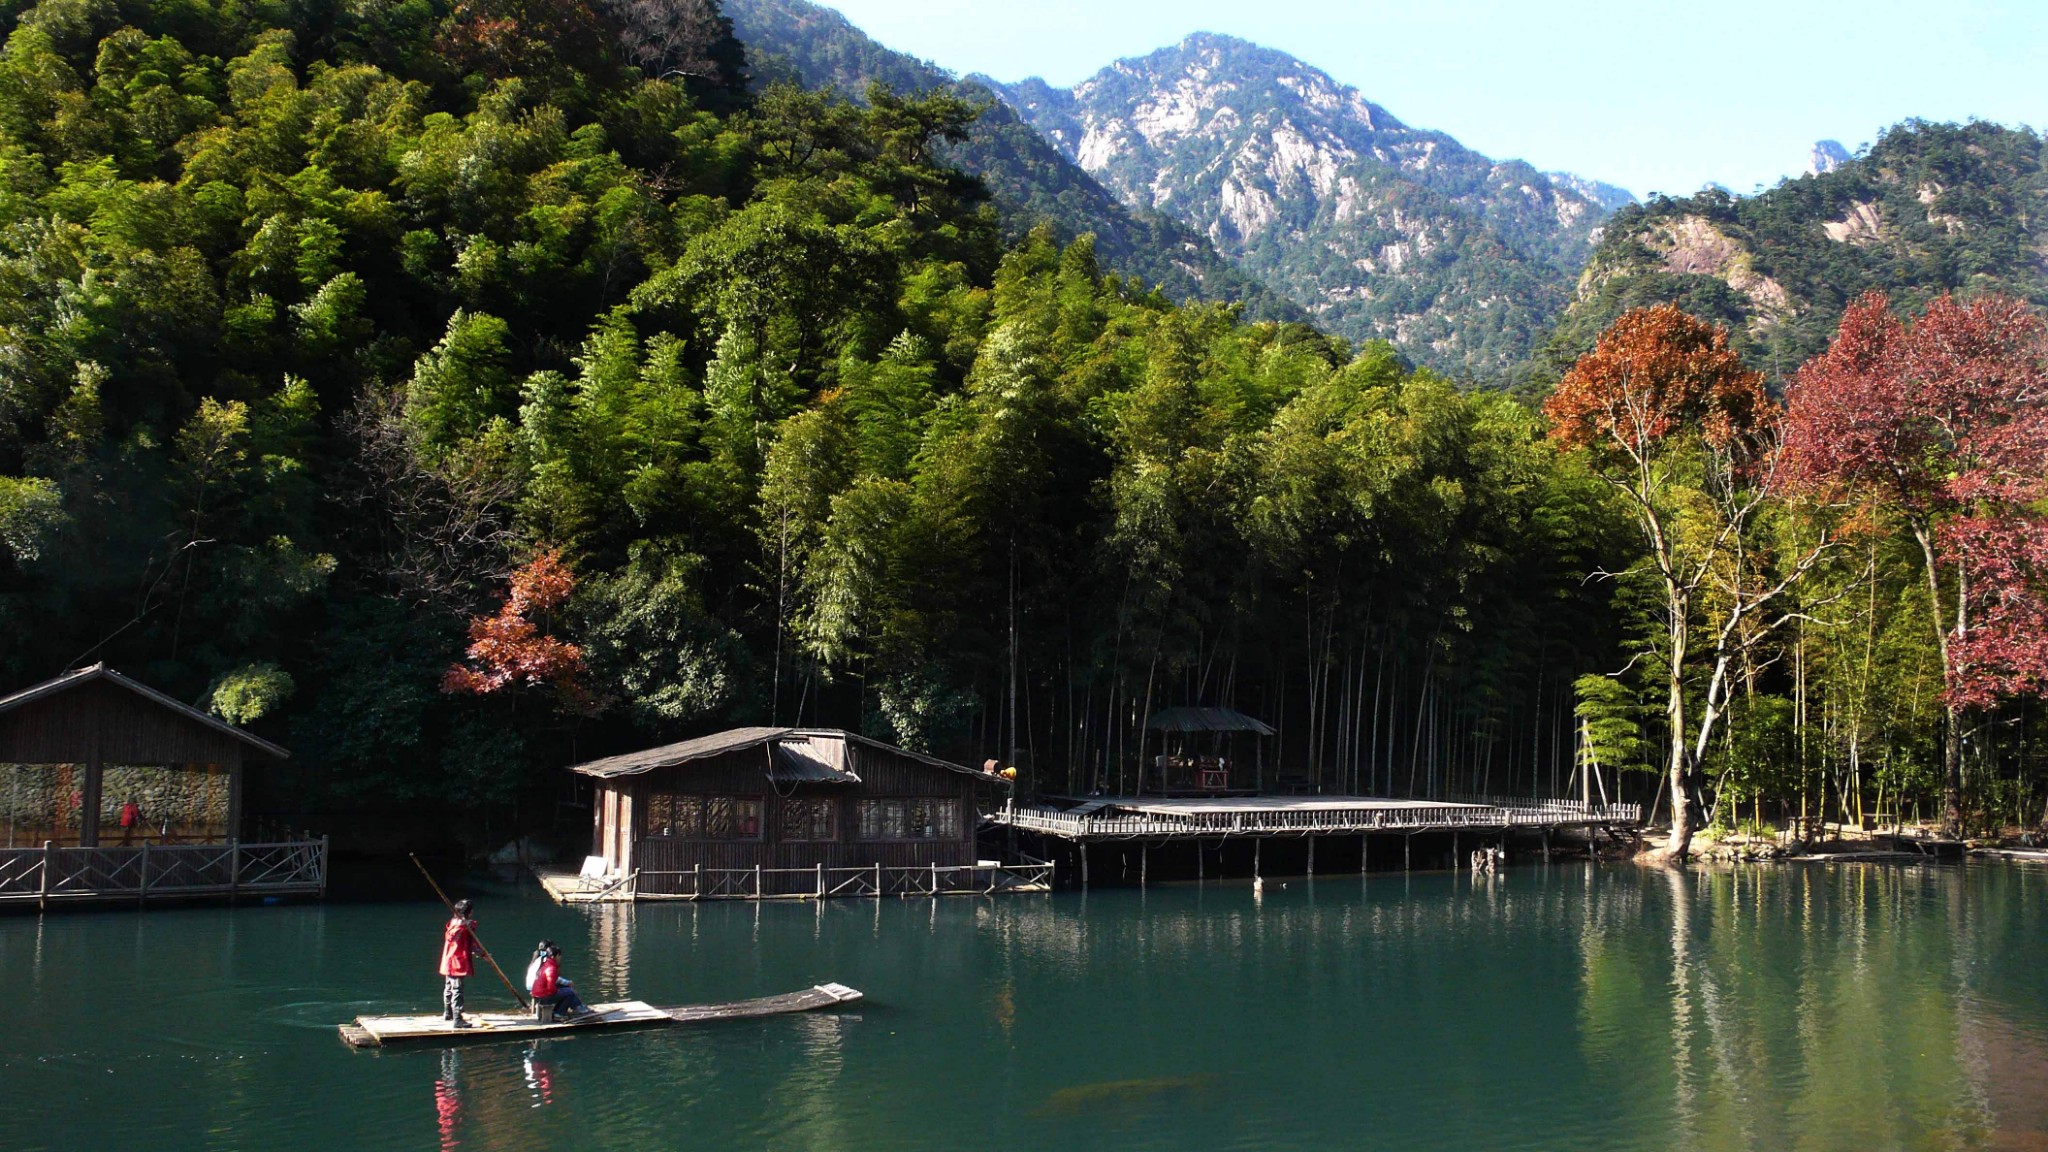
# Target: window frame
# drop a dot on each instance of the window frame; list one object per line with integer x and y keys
{"x": 938, "y": 805}
{"x": 701, "y": 802}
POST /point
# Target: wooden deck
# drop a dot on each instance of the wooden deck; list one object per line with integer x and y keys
{"x": 817, "y": 882}
{"x": 1160, "y": 819}
{"x": 52, "y": 875}
{"x": 380, "y": 1031}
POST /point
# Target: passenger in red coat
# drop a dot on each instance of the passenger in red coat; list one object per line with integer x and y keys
{"x": 458, "y": 944}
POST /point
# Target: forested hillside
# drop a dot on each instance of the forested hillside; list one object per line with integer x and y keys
{"x": 1929, "y": 208}
{"x": 318, "y": 331}
{"x": 455, "y": 392}
{"x": 1030, "y": 182}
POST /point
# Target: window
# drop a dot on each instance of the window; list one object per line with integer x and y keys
{"x": 705, "y": 817}
{"x": 910, "y": 819}
{"x": 810, "y": 818}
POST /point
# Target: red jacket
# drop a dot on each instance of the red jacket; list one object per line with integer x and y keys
{"x": 546, "y": 979}
{"x": 457, "y": 942}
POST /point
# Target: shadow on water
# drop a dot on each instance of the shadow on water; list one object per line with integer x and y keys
{"x": 1132, "y": 1101}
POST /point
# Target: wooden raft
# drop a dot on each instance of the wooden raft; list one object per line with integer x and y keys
{"x": 378, "y": 1031}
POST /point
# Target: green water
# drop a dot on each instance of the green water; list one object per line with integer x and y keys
{"x": 1570, "y": 1007}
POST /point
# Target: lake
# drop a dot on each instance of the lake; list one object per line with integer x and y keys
{"x": 1805, "y": 1006}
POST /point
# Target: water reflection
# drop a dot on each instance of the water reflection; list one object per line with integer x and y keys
{"x": 1801, "y": 1007}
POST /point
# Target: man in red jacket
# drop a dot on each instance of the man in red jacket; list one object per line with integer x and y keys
{"x": 458, "y": 944}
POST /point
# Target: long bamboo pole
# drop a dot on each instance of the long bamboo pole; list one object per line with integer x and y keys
{"x": 509, "y": 987}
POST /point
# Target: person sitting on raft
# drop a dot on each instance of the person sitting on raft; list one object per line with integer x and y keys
{"x": 544, "y": 981}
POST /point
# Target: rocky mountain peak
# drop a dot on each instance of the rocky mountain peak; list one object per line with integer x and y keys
{"x": 1377, "y": 228}
{"x": 1825, "y": 156}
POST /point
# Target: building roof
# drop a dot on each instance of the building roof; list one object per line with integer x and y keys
{"x": 796, "y": 755}
{"x": 681, "y": 752}
{"x": 1206, "y": 720}
{"x": 80, "y": 677}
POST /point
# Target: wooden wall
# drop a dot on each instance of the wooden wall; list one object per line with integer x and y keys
{"x": 622, "y": 805}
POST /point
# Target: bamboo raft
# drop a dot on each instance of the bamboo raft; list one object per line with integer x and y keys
{"x": 380, "y": 1031}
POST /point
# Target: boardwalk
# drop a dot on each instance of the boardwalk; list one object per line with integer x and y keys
{"x": 1145, "y": 818}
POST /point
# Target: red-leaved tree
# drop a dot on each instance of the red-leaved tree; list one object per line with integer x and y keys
{"x": 512, "y": 647}
{"x": 1944, "y": 422}
{"x": 1682, "y": 429}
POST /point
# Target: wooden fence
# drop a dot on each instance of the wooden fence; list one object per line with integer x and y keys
{"x": 820, "y": 882}
{"x": 158, "y": 871}
{"x": 1310, "y": 821}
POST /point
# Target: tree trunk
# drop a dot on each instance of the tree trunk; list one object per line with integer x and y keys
{"x": 1952, "y": 738}
{"x": 1684, "y": 798}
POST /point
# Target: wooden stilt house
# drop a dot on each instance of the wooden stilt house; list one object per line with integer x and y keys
{"x": 784, "y": 811}
{"x": 113, "y": 789}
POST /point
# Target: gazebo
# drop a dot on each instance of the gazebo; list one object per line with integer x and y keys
{"x": 101, "y": 772}
{"x": 1185, "y": 768}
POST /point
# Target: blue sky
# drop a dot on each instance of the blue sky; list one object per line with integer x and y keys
{"x": 1647, "y": 94}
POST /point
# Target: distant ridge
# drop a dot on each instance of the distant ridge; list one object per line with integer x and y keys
{"x": 1929, "y": 208}
{"x": 1379, "y": 229}
{"x": 1031, "y": 180}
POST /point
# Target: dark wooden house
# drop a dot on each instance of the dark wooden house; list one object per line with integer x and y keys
{"x": 113, "y": 789}
{"x": 786, "y": 811}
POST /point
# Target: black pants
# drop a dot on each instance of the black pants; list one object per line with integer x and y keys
{"x": 451, "y": 997}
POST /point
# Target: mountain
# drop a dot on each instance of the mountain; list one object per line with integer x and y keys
{"x": 1825, "y": 157}
{"x": 1930, "y": 208}
{"x": 1379, "y": 229}
{"x": 1029, "y": 180}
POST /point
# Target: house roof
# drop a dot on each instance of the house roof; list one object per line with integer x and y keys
{"x": 681, "y": 752}
{"x": 797, "y": 755}
{"x": 100, "y": 672}
{"x": 1206, "y": 720}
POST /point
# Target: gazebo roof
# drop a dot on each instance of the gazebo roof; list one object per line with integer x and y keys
{"x": 1187, "y": 719}
{"x": 100, "y": 673}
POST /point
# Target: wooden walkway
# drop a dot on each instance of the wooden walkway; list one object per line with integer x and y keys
{"x": 1149, "y": 818}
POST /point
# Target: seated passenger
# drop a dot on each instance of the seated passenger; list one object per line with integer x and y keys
{"x": 544, "y": 981}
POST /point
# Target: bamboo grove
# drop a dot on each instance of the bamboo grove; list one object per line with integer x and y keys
{"x": 453, "y": 390}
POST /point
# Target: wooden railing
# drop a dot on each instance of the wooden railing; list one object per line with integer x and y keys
{"x": 51, "y": 873}
{"x": 1310, "y": 821}
{"x": 819, "y": 882}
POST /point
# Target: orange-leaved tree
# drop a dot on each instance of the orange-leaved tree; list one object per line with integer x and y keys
{"x": 513, "y": 647}
{"x": 1676, "y": 423}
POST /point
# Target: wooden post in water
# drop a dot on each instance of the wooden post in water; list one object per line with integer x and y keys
{"x": 1083, "y": 846}
{"x": 821, "y": 879}
{"x": 43, "y": 894}
{"x": 234, "y": 867}
{"x": 1256, "y": 845}
{"x": 878, "y": 879}
{"x": 1364, "y": 842}
{"x": 323, "y": 867}
{"x": 142, "y": 876}
{"x": 1311, "y": 855}
{"x": 1144, "y": 859}
{"x": 1454, "y": 848}
{"x": 757, "y": 881}
{"x": 1407, "y": 849}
